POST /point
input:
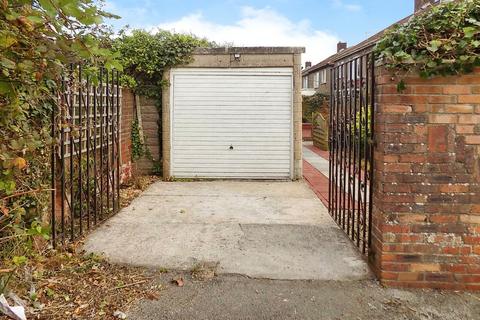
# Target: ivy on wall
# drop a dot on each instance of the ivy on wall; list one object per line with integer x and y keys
{"x": 138, "y": 147}
{"x": 443, "y": 40}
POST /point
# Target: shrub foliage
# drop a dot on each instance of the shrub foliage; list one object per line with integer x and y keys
{"x": 442, "y": 40}
{"x": 314, "y": 104}
{"x": 38, "y": 41}
{"x": 144, "y": 56}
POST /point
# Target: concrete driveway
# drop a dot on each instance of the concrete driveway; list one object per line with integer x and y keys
{"x": 274, "y": 230}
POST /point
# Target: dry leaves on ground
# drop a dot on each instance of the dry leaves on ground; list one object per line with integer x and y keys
{"x": 71, "y": 285}
{"x": 76, "y": 286}
{"x": 135, "y": 188}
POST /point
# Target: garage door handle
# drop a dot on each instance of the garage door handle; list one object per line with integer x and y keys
{"x": 231, "y": 147}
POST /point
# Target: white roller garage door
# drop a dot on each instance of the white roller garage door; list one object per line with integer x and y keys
{"x": 231, "y": 123}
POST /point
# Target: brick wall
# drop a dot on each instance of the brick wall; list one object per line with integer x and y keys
{"x": 307, "y": 131}
{"x": 150, "y": 118}
{"x": 426, "y": 215}
{"x": 125, "y": 135}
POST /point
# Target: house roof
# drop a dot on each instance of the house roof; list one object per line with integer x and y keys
{"x": 319, "y": 65}
{"x": 365, "y": 44}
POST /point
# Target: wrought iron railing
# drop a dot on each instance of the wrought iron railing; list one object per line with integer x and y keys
{"x": 86, "y": 157}
{"x": 351, "y": 146}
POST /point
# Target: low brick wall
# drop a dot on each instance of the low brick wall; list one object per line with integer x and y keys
{"x": 426, "y": 214}
{"x": 306, "y": 131}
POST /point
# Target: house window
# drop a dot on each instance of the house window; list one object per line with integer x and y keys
{"x": 323, "y": 76}
{"x": 305, "y": 82}
{"x": 316, "y": 80}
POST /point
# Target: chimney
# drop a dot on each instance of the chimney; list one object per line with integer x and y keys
{"x": 308, "y": 64}
{"x": 341, "y": 46}
{"x": 422, "y": 4}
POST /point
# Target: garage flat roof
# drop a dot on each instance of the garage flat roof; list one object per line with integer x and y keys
{"x": 252, "y": 50}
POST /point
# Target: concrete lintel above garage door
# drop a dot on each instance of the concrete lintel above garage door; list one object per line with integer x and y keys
{"x": 235, "y": 121}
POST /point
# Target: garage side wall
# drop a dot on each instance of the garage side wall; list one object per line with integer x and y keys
{"x": 269, "y": 60}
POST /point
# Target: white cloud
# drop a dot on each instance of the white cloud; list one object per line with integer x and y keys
{"x": 347, "y": 6}
{"x": 259, "y": 27}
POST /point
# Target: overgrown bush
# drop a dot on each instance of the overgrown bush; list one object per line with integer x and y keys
{"x": 314, "y": 104}
{"x": 144, "y": 57}
{"x": 38, "y": 41}
{"x": 442, "y": 40}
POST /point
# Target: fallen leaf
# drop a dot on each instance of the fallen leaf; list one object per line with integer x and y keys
{"x": 4, "y": 211}
{"x": 153, "y": 295}
{"x": 19, "y": 162}
{"x": 179, "y": 282}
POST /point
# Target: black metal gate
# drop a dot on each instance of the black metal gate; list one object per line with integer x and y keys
{"x": 86, "y": 157}
{"x": 351, "y": 146}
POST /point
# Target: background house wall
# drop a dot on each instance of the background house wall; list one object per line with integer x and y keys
{"x": 324, "y": 87}
{"x": 310, "y": 81}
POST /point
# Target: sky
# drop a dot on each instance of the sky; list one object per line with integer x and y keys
{"x": 315, "y": 24}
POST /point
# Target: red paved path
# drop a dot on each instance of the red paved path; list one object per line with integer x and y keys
{"x": 317, "y": 181}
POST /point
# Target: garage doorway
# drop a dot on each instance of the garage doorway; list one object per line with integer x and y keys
{"x": 234, "y": 113}
{"x": 232, "y": 123}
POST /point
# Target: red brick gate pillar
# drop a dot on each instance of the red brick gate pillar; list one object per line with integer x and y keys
{"x": 426, "y": 214}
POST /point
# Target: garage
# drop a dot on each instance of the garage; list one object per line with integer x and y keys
{"x": 232, "y": 123}
{"x": 233, "y": 115}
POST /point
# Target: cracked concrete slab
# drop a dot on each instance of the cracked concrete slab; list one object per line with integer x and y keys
{"x": 275, "y": 230}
